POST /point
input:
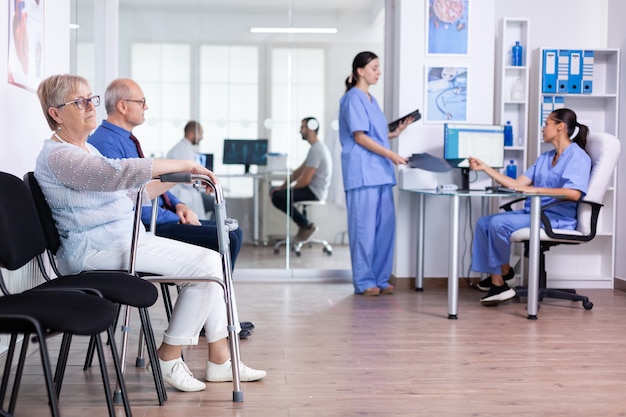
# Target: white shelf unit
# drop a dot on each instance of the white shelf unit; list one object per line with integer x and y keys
{"x": 509, "y": 107}
{"x": 592, "y": 264}
{"x": 515, "y": 109}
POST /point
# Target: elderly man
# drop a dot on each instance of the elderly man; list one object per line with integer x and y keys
{"x": 125, "y": 105}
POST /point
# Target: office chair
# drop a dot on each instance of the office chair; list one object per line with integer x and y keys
{"x": 43, "y": 310}
{"x": 116, "y": 286}
{"x": 297, "y": 246}
{"x": 604, "y": 149}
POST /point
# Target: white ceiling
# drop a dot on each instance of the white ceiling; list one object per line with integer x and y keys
{"x": 296, "y": 6}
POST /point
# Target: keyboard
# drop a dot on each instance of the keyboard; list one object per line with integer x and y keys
{"x": 501, "y": 190}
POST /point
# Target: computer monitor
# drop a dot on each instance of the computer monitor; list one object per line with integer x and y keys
{"x": 485, "y": 142}
{"x": 205, "y": 159}
{"x": 245, "y": 152}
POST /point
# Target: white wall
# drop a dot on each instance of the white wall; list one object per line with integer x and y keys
{"x": 423, "y": 137}
{"x": 24, "y": 125}
{"x": 572, "y": 23}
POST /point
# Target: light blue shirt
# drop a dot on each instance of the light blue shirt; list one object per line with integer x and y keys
{"x": 572, "y": 170}
{"x": 361, "y": 167}
{"x": 91, "y": 198}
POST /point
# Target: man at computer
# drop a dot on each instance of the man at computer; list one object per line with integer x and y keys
{"x": 187, "y": 148}
{"x": 125, "y": 104}
{"x": 310, "y": 181}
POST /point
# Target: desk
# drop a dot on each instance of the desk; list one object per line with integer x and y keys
{"x": 256, "y": 212}
{"x": 453, "y": 249}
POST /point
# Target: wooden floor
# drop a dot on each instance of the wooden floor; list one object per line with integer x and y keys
{"x": 331, "y": 353}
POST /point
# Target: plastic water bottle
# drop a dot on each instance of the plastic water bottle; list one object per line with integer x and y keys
{"x": 511, "y": 169}
{"x": 517, "y": 90}
{"x": 516, "y": 55}
{"x": 508, "y": 134}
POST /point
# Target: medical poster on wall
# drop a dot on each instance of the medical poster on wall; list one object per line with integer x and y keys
{"x": 447, "y": 27}
{"x": 26, "y": 37}
{"x": 446, "y": 98}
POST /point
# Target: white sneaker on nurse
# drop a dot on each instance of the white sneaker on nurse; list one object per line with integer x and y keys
{"x": 224, "y": 373}
{"x": 177, "y": 374}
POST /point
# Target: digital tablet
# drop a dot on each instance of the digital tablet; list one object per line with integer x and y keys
{"x": 394, "y": 125}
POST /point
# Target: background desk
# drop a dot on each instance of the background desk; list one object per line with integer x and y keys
{"x": 453, "y": 249}
{"x": 260, "y": 189}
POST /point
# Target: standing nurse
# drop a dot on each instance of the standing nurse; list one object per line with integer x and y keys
{"x": 368, "y": 177}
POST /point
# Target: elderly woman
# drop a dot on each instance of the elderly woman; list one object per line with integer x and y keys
{"x": 91, "y": 198}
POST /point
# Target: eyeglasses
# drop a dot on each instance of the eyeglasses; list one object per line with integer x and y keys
{"x": 142, "y": 101}
{"x": 82, "y": 103}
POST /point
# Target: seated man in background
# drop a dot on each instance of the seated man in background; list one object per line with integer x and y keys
{"x": 187, "y": 148}
{"x": 125, "y": 105}
{"x": 310, "y": 181}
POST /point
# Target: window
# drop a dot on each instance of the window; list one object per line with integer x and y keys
{"x": 297, "y": 91}
{"x": 163, "y": 72}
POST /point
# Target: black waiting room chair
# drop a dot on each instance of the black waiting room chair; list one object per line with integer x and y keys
{"x": 40, "y": 311}
{"x": 118, "y": 287}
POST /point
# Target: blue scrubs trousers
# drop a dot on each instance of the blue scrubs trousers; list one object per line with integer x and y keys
{"x": 372, "y": 232}
{"x": 492, "y": 247}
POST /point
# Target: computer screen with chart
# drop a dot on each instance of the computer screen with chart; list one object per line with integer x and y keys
{"x": 485, "y": 142}
{"x": 245, "y": 152}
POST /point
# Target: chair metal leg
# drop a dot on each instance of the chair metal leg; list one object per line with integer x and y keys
{"x": 46, "y": 367}
{"x": 105, "y": 378}
{"x": 47, "y": 373}
{"x": 18, "y": 373}
{"x": 64, "y": 353}
{"x": 152, "y": 355}
{"x": 118, "y": 372}
{"x": 125, "y": 328}
{"x": 7, "y": 368}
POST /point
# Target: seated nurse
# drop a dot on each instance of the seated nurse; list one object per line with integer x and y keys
{"x": 563, "y": 170}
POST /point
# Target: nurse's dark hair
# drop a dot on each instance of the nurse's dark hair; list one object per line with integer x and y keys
{"x": 577, "y": 132}
{"x": 360, "y": 61}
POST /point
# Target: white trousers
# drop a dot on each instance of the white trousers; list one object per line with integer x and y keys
{"x": 200, "y": 304}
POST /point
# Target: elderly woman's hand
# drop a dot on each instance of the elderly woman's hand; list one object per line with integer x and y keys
{"x": 198, "y": 169}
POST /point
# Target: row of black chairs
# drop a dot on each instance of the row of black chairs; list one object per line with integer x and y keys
{"x": 87, "y": 304}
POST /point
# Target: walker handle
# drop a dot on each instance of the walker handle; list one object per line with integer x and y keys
{"x": 176, "y": 177}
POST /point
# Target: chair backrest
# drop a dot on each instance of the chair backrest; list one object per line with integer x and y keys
{"x": 604, "y": 149}
{"x": 45, "y": 215}
{"x": 21, "y": 236}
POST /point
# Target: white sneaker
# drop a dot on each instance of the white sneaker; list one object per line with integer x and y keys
{"x": 224, "y": 372}
{"x": 177, "y": 374}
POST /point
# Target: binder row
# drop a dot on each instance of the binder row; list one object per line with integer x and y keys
{"x": 550, "y": 104}
{"x": 567, "y": 71}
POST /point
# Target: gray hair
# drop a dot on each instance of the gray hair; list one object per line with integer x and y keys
{"x": 119, "y": 89}
{"x": 54, "y": 90}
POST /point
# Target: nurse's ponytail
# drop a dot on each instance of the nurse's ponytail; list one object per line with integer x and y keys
{"x": 360, "y": 61}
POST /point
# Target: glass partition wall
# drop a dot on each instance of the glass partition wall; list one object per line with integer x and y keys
{"x": 199, "y": 60}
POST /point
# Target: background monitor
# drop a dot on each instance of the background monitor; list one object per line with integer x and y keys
{"x": 245, "y": 152}
{"x": 205, "y": 159}
{"x": 485, "y": 142}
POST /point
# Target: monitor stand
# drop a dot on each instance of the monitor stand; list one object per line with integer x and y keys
{"x": 465, "y": 179}
{"x": 247, "y": 169}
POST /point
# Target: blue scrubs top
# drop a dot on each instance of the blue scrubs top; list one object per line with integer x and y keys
{"x": 360, "y": 166}
{"x": 572, "y": 170}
